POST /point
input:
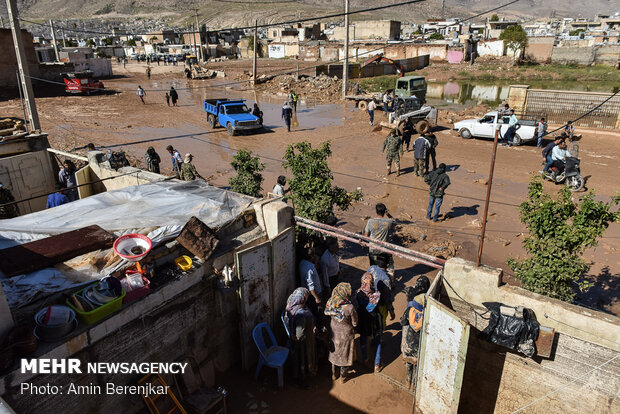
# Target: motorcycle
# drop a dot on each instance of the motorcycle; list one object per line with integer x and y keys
{"x": 571, "y": 175}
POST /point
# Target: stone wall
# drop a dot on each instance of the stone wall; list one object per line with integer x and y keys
{"x": 539, "y": 49}
{"x": 607, "y": 54}
{"x": 573, "y": 55}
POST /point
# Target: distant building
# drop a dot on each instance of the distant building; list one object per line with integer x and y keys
{"x": 368, "y": 30}
{"x": 495, "y": 28}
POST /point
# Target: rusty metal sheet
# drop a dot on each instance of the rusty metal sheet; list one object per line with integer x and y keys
{"x": 544, "y": 343}
{"x": 254, "y": 271}
{"x": 46, "y": 252}
{"x": 442, "y": 360}
{"x": 284, "y": 282}
{"x": 198, "y": 238}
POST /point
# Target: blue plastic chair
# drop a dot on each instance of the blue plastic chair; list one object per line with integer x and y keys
{"x": 274, "y": 357}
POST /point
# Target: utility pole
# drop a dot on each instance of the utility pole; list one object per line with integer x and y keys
{"x": 64, "y": 40}
{"x": 22, "y": 63}
{"x": 1, "y": 22}
{"x": 488, "y": 198}
{"x": 199, "y": 38}
{"x": 194, "y": 34}
{"x": 443, "y": 10}
{"x": 255, "y": 52}
{"x": 54, "y": 41}
{"x": 345, "y": 67}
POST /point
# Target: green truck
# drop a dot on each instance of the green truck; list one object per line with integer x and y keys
{"x": 404, "y": 87}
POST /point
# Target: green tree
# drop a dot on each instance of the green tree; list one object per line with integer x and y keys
{"x": 90, "y": 42}
{"x": 559, "y": 233}
{"x": 153, "y": 39}
{"x": 107, "y": 41}
{"x": 495, "y": 18}
{"x": 436, "y": 36}
{"x": 418, "y": 31}
{"x": 515, "y": 39}
{"x": 249, "y": 179}
{"x": 130, "y": 42}
{"x": 312, "y": 191}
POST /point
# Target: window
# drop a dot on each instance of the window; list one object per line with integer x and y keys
{"x": 417, "y": 83}
{"x": 402, "y": 85}
{"x": 275, "y": 33}
{"x": 236, "y": 109}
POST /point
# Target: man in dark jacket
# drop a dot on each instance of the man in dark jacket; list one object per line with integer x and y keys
{"x": 430, "y": 153}
{"x": 420, "y": 149}
{"x": 287, "y": 114}
{"x": 407, "y": 133}
{"x": 437, "y": 181}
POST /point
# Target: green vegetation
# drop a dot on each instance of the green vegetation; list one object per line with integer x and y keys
{"x": 576, "y": 32}
{"x": 495, "y": 18}
{"x": 559, "y": 233}
{"x": 515, "y": 39}
{"x": 108, "y": 8}
{"x": 107, "y": 41}
{"x": 313, "y": 194}
{"x": 131, "y": 42}
{"x": 90, "y": 42}
{"x": 437, "y": 36}
{"x": 153, "y": 39}
{"x": 377, "y": 83}
{"x": 249, "y": 179}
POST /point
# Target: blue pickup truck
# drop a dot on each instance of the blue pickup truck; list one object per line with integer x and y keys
{"x": 233, "y": 115}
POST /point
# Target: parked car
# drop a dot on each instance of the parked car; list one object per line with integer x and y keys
{"x": 233, "y": 115}
{"x": 485, "y": 127}
{"x": 81, "y": 82}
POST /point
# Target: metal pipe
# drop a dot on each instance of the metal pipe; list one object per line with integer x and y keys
{"x": 21, "y": 98}
{"x": 371, "y": 245}
{"x": 486, "y": 201}
{"x": 370, "y": 240}
{"x": 255, "y": 52}
{"x": 67, "y": 154}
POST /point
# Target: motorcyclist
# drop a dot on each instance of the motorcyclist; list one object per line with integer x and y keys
{"x": 558, "y": 155}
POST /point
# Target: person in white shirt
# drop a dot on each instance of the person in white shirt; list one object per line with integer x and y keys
{"x": 558, "y": 155}
{"x": 512, "y": 128}
{"x": 329, "y": 265}
{"x": 387, "y": 100}
{"x": 278, "y": 189}
{"x": 371, "y": 110}
{"x": 141, "y": 94}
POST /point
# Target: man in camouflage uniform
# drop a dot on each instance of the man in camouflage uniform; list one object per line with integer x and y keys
{"x": 9, "y": 211}
{"x": 393, "y": 148}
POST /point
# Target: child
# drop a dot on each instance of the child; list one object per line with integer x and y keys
{"x": 412, "y": 324}
{"x": 167, "y": 99}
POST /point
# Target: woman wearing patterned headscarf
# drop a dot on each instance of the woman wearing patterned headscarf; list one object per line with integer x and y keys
{"x": 300, "y": 323}
{"x": 344, "y": 320}
{"x": 374, "y": 305}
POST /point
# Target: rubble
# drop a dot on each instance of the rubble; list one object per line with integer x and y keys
{"x": 320, "y": 87}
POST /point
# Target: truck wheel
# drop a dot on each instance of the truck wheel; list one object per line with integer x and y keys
{"x": 231, "y": 130}
{"x": 422, "y": 127}
{"x": 211, "y": 120}
{"x": 517, "y": 140}
{"x": 362, "y": 105}
{"x": 465, "y": 133}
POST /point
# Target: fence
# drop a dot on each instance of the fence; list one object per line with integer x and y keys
{"x": 562, "y": 106}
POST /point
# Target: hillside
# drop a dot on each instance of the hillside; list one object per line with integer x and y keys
{"x": 226, "y": 13}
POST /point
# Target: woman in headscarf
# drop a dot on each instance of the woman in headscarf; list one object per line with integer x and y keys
{"x": 301, "y": 327}
{"x": 343, "y": 323}
{"x": 152, "y": 160}
{"x": 374, "y": 305}
{"x": 412, "y": 324}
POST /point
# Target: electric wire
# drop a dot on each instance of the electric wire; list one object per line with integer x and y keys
{"x": 565, "y": 385}
{"x": 263, "y": 25}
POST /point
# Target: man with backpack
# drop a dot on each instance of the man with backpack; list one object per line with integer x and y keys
{"x": 412, "y": 324}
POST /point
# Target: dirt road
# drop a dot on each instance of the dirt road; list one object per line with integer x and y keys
{"x": 121, "y": 121}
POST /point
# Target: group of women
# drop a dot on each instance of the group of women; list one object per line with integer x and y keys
{"x": 364, "y": 311}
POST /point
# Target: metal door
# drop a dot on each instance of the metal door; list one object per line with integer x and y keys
{"x": 441, "y": 361}
{"x": 28, "y": 175}
{"x": 283, "y": 271}
{"x": 254, "y": 272}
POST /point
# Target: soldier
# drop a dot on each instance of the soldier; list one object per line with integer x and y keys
{"x": 10, "y": 211}
{"x": 393, "y": 148}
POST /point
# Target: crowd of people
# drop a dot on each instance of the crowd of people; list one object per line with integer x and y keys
{"x": 325, "y": 316}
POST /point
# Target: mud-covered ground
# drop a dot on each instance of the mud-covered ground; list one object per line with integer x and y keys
{"x": 121, "y": 121}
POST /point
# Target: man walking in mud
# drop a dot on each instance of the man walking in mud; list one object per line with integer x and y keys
{"x": 141, "y": 94}
{"x": 437, "y": 182}
{"x": 393, "y": 148}
{"x": 287, "y": 114}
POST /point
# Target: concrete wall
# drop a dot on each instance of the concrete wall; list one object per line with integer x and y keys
{"x": 498, "y": 380}
{"x": 607, "y": 54}
{"x": 539, "y": 49}
{"x": 368, "y": 30}
{"x": 573, "y": 55}
{"x": 8, "y": 63}
{"x": 491, "y": 48}
{"x": 455, "y": 56}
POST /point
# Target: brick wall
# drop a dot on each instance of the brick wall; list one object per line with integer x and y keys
{"x": 8, "y": 63}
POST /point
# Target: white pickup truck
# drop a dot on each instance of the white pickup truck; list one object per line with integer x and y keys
{"x": 485, "y": 128}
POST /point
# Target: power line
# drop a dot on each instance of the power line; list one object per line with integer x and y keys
{"x": 289, "y": 22}
{"x": 566, "y": 385}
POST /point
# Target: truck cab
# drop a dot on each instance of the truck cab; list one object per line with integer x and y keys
{"x": 81, "y": 82}
{"x": 411, "y": 86}
{"x": 235, "y": 116}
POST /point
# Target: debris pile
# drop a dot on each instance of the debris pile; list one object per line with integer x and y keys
{"x": 11, "y": 128}
{"x": 320, "y": 87}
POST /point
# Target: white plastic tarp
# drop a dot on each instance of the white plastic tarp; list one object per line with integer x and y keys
{"x": 159, "y": 210}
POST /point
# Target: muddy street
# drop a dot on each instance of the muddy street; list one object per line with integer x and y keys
{"x": 119, "y": 121}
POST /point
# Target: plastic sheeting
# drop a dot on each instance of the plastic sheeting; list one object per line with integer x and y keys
{"x": 159, "y": 210}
